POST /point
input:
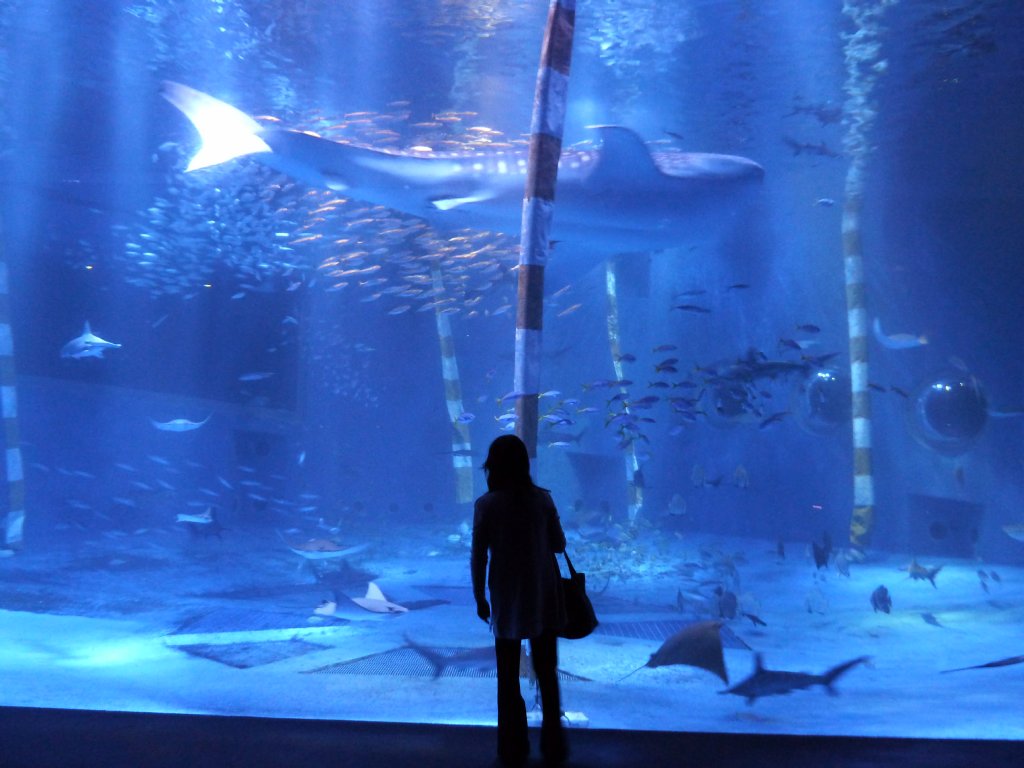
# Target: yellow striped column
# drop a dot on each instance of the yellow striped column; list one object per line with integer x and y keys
{"x": 862, "y": 54}
{"x": 14, "y": 523}
{"x": 549, "y": 104}
{"x": 462, "y": 460}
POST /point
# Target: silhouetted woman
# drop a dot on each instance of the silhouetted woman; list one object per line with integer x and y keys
{"x": 517, "y": 524}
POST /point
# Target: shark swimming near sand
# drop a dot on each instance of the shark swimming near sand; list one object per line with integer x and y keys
{"x": 773, "y": 682}
{"x": 620, "y": 198}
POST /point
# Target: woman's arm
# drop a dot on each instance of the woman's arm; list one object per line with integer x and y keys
{"x": 478, "y": 561}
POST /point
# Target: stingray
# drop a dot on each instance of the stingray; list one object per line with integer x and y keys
{"x": 1001, "y": 663}
{"x": 696, "y": 645}
{"x": 377, "y": 603}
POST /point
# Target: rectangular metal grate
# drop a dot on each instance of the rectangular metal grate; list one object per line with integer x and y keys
{"x": 238, "y": 620}
{"x": 246, "y": 655}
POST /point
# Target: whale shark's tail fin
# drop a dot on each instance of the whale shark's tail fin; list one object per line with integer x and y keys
{"x": 225, "y": 132}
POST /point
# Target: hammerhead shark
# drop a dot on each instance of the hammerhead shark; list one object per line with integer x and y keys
{"x": 87, "y": 345}
{"x": 620, "y": 198}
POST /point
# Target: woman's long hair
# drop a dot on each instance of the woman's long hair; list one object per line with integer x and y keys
{"x": 508, "y": 465}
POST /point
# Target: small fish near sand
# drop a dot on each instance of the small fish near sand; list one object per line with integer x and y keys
{"x": 771, "y": 682}
{"x": 881, "y": 600}
{"x": 919, "y": 572}
{"x": 697, "y": 645}
{"x": 990, "y": 665}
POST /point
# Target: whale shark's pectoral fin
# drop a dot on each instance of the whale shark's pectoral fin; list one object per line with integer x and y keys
{"x": 225, "y": 132}
{"x": 447, "y": 203}
{"x": 624, "y": 160}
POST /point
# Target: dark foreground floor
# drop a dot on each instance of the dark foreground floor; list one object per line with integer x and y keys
{"x": 38, "y": 738}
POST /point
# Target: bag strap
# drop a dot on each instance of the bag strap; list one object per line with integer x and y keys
{"x": 572, "y": 571}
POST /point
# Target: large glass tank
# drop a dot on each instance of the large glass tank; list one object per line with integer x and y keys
{"x": 250, "y": 374}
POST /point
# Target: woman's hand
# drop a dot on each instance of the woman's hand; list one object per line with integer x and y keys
{"x": 483, "y": 610}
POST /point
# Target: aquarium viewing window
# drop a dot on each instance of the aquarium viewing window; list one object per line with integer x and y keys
{"x": 264, "y": 305}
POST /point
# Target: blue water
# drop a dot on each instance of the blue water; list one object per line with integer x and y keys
{"x": 305, "y": 325}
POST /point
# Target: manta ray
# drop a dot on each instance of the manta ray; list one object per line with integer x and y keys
{"x": 87, "y": 345}
{"x": 619, "y": 198}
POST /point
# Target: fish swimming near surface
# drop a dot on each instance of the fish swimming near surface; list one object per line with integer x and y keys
{"x": 178, "y": 425}
{"x": 87, "y": 344}
{"x": 881, "y": 600}
{"x": 618, "y": 199}
{"x": 377, "y": 603}
{"x": 772, "y": 682}
{"x": 896, "y": 340}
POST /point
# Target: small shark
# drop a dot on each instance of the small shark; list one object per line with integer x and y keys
{"x": 618, "y": 199}
{"x": 771, "y": 682}
{"x": 87, "y": 345}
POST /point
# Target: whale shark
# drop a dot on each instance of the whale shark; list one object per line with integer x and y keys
{"x": 618, "y": 198}
{"x": 87, "y": 345}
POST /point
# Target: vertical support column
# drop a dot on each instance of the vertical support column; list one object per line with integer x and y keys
{"x": 462, "y": 446}
{"x": 636, "y": 491}
{"x": 549, "y": 105}
{"x": 864, "y": 64}
{"x": 862, "y": 518}
{"x": 14, "y": 522}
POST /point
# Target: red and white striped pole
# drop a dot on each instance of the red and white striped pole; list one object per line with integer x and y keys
{"x": 549, "y": 106}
